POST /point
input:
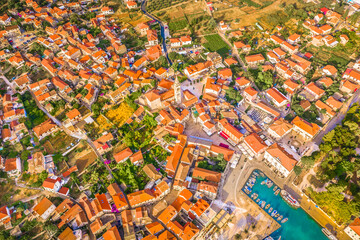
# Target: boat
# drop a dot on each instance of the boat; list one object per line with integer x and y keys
{"x": 270, "y": 210}
{"x": 284, "y": 220}
{"x": 275, "y": 188}
{"x": 277, "y": 192}
{"x": 263, "y": 204}
{"x": 328, "y": 234}
{"x": 268, "y": 238}
{"x": 279, "y": 218}
{"x": 258, "y": 200}
{"x": 246, "y": 191}
{"x": 289, "y": 199}
{"x": 267, "y": 206}
{"x": 273, "y": 213}
{"x": 277, "y": 215}
{"x": 270, "y": 183}
{"x": 252, "y": 195}
{"x": 256, "y": 173}
{"x": 262, "y": 174}
{"x": 255, "y": 196}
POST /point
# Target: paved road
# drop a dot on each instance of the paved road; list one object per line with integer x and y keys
{"x": 338, "y": 118}
{"x": 143, "y": 9}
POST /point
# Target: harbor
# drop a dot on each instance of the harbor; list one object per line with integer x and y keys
{"x": 282, "y": 207}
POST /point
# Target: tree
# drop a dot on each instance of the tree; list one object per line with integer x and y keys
{"x": 297, "y": 170}
{"x": 264, "y": 80}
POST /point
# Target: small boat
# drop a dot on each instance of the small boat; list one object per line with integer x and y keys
{"x": 275, "y": 188}
{"x": 252, "y": 195}
{"x": 248, "y": 188}
{"x": 256, "y": 173}
{"x": 279, "y": 218}
{"x": 255, "y": 196}
{"x": 246, "y": 191}
{"x": 270, "y": 183}
{"x": 273, "y": 213}
{"x": 284, "y": 220}
{"x": 267, "y": 206}
{"x": 270, "y": 210}
{"x": 263, "y": 204}
{"x": 277, "y": 215}
{"x": 268, "y": 238}
{"x": 260, "y": 203}
{"x": 277, "y": 192}
{"x": 263, "y": 182}
{"x": 258, "y": 200}
{"x": 262, "y": 174}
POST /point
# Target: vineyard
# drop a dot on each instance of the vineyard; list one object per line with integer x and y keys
{"x": 120, "y": 114}
{"x": 103, "y": 123}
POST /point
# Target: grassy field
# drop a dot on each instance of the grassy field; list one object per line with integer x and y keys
{"x": 215, "y": 44}
{"x": 176, "y": 25}
{"x": 186, "y": 18}
{"x": 60, "y": 141}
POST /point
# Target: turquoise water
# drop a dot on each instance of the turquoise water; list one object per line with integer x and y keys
{"x": 300, "y": 225}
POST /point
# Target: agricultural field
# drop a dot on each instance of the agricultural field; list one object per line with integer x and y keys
{"x": 120, "y": 114}
{"x": 187, "y": 18}
{"x": 59, "y": 142}
{"x": 215, "y": 44}
{"x": 155, "y": 5}
{"x": 82, "y": 156}
{"x": 248, "y": 12}
{"x": 103, "y": 123}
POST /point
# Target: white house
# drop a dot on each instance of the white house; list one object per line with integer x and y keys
{"x": 281, "y": 160}
{"x": 44, "y": 208}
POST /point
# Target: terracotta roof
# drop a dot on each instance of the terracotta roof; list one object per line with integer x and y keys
{"x": 49, "y": 183}
{"x": 112, "y": 234}
{"x": 206, "y": 174}
{"x": 154, "y": 228}
{"x": 255, "y": 142}
{"x": 276, "y": 95}
{"x": 122, "y": 155}
{"x": 281, "y": 126}
{"x": 285, "y": 158}
{"x": 310, "y": 128}
{"x": 355, "y": 226}
{"x": 167, "y": 215}
{"x": 140, "y": 197}
{"x": 42, "y": 206}
{"x": 73, "y": 113}
{"x": 200, "y": 207}
{"x": 42, "y": 128}
{"x": 67, "y": 234}
{"x": 10, "y": 164}
{"x": 254, "y": 58}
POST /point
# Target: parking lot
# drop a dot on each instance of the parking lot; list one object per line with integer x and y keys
{"x": 22, "y": 41}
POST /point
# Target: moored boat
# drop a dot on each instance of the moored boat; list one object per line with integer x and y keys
{"x": 257, "y": 200}
{"x": 279, "y": 218}
{"x": 284, "y": 220}
{"x": 270, "y": 210}
{"x": 277, "y": 215}
{"x": 263, "y": 204}
{"x": 289, "y": 199}
{"x": 277, "y": 192}
{"x": 273, "y": 213}
{"x": 267, "y": 206}
{"x": 275, "y": 188}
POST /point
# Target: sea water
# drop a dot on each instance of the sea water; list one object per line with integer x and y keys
{"x": 300, "y": 225}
